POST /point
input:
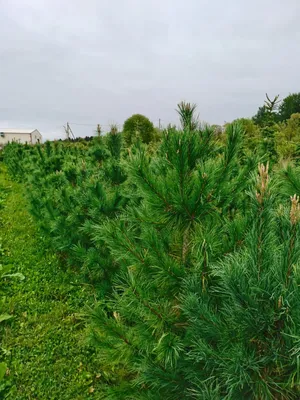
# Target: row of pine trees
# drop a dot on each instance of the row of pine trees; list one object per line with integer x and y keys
{"x": 193, "y": 247}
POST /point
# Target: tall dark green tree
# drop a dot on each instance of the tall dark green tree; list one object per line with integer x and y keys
{"x": 261, "y": 116}
{"x": 289, "y": 105}
{"x": 267, "y": 114}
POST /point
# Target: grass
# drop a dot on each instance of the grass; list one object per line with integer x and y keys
{"x": 44, "y": 344}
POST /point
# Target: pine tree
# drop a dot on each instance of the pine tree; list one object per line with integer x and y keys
{"x": 189, "y": 210}
{"x": 267, "y": 118}
{"x": 244, "y": 335}
{"x": 188, "y": 119}
{"x": 71, "y": 188}
{"x": 13, "y": 157}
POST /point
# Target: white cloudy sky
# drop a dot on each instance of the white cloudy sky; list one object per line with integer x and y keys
{"x": 99, "y": 61}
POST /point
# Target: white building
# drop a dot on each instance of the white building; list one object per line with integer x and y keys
{"x": 30, "y": 136}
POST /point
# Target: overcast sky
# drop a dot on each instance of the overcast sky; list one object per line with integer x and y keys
{"x": 100, "y": 61}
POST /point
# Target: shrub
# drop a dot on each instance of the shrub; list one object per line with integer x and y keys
{"x": 138, "y": 126}
{"x": 252, "y": 136}
{"x": 287, "y": 139}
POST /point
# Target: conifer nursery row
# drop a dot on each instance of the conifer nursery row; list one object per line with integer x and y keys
{"x": 192, "y": 243}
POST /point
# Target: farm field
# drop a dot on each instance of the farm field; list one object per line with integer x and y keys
{"x": 149, "y": 200}
{"x": 153, "y": 264}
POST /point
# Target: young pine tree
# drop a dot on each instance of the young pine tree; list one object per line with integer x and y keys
{"x": 268, "y": 125}
{"x": 190, "y": 209}
{"x": 70, "y": 188}
{"x": 244, "y": 333}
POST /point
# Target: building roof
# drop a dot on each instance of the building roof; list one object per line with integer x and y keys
{"x": 26, "y": 131}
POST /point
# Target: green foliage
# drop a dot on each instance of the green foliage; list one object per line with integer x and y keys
{"x": 191, "y": 256}
{"x": 187, "y": 116}
{"x": 289, "y": 105}
{"x": 272, "y": 105}
{"x": 5, "y": 274}
{"x": 193, "y": 210}
{"x": 138, "y": 127}
{"x": 14, "y": 155}
{"x": 248, "y": 343}
{"x": 267, "y": 118}
{"x": 252, "y": 135}
{"x": 287, "y": 139}
{"x": 71, "y": 188}
{"x": 261, "y": 116}
{"x": 279, "y": 140}
{"x": 268, "y": 146}
{"x": 267, "y": 114}
{"x": 4, "y": 277}
{"x": 43, "y": 351}
{"x": 114, "y": 142}
{"x": 3, "y": 369}
{"x": 288, "y": 181}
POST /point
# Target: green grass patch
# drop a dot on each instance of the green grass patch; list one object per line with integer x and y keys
{"x": 44, "y": 343}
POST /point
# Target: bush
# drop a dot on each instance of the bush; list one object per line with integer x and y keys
{"x": 287, "y": 139}
{"x": 138, "y": 126}
{"x": 252, "y": 137}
